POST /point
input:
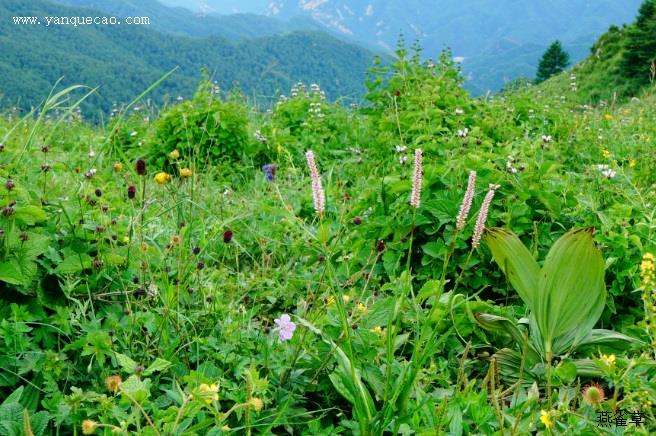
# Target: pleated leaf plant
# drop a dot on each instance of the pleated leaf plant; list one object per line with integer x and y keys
{"x": 565, "y": 298}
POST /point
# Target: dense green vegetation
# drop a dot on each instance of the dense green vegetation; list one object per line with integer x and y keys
{"x": 124, "y": 60}
{"x": 425, "y": 263}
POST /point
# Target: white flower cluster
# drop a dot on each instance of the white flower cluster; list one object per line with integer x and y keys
{"x": 260, "y": 137}
{"x": 463, "y": 133}
{"x": 606, "y": 171}
{"x": 401, "y": 149}
{"x": 315, "y": 110}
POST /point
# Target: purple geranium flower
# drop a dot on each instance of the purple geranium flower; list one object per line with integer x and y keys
{"x": 270, "y": 170}
{"x": 285, "y": 327}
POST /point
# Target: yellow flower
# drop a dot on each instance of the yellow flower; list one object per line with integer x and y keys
{"x": 89, "y": 426}
{"x": 208, "y": 393}
{"x": 162, "y": 177}
{"x": 608, "y": 117}
{"x": 545, "y": 417}
{"x": 118, "y": 166}
{"x": 113, "y": 382}
{"x": 279, "y": 148}
{"x": 648, "y": 271}
{"x": 608, "y": 360}
{"x": 256, "y": 404}
{"x": 361, "y": 308}
{"x": 606, "y": 153}
{"x": 346, "y": 299}
{"x": 126, "y": 239}
{"x": 175, "y": 240}
{"x": 185, "y": 172}
{"x": 330, "y": 300}
{"x": 378, "y": 330}
{"x": 632, "y": 163}
{"x": 175, "y": 154}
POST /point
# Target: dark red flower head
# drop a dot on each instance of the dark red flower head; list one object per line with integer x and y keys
{"x": 397, "y": 93}
{"x": 141, "y": 167}
{"x": 227, "y": 236}
{"x": 132, "y": 191}
{"x": 380, "y": 246}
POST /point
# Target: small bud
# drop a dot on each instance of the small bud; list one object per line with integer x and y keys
{"x": 227, "y": 236}
{"x": 98, "y": 192}
{"x": 196, "y": 250}
{"x": 23, "y": 236}
{"x": 132, "y": 191}
{"x": 9, "y": 185}
{"x": 200, "y": 265}
{"x": 357, "y": 220}
{"x": 380, "y": 246}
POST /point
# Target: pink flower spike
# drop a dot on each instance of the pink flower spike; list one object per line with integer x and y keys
{"x": 285, "y": 327}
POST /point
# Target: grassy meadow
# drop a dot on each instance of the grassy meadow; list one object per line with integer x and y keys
{"x": 438, "y": 264}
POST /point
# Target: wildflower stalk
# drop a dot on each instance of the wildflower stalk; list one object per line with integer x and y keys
{"x": 318, "y": 195}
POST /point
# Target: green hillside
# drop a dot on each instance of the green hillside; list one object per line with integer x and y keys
{"x": 620, "y": 65}
{"x": 124, "y": 60}
{"x": 182, "y": 21}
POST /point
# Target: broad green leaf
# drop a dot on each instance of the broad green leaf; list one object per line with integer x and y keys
{"x": 10, "y": 272}
{"x": 571, "y": 291}
{"x": 508, "y": 364}
{"x": 500, "y": 324}
{"x": 157, "y": 366}
{"x": 137, "y": 389}
{"x": 587, "y": 368}
{"x": 74, "y": 263}
{"x": 30, "y": 215}
{"x": 379, "y": 314}
{"x": 566, "y": 372}
{"x": 126, "y": 363}
{"x": 516, "y": 262}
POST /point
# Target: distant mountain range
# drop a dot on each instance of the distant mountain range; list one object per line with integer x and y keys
{"x": 497, "y": 40}
{"x": 124, "y": 60}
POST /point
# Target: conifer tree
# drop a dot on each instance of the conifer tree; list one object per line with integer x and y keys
{"x": 553, "y": 61}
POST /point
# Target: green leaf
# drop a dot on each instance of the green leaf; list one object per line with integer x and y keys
{"x": 516, "y": 262}
{"x": 500, "y": 324}
{"x": 10, "y": 272}
{"x": 566, "y": 372}
{"x": 571, "y": 291}
{"x": 380, "y": 313}
{"x": 74, "y": 263}
{"x": 126, "y": 363}
{"x": 157, "y": 366}
{"x": 137, "y": 389}
{"x": 30, "y": 215}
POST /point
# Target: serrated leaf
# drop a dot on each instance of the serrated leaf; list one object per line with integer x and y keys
{"x": 74, "y": 263}
{"x": 157, "y": 366}
{"x": 10, "y": 272}
{"x": 137, "y": 389}
{"x": 126, "y": 363}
